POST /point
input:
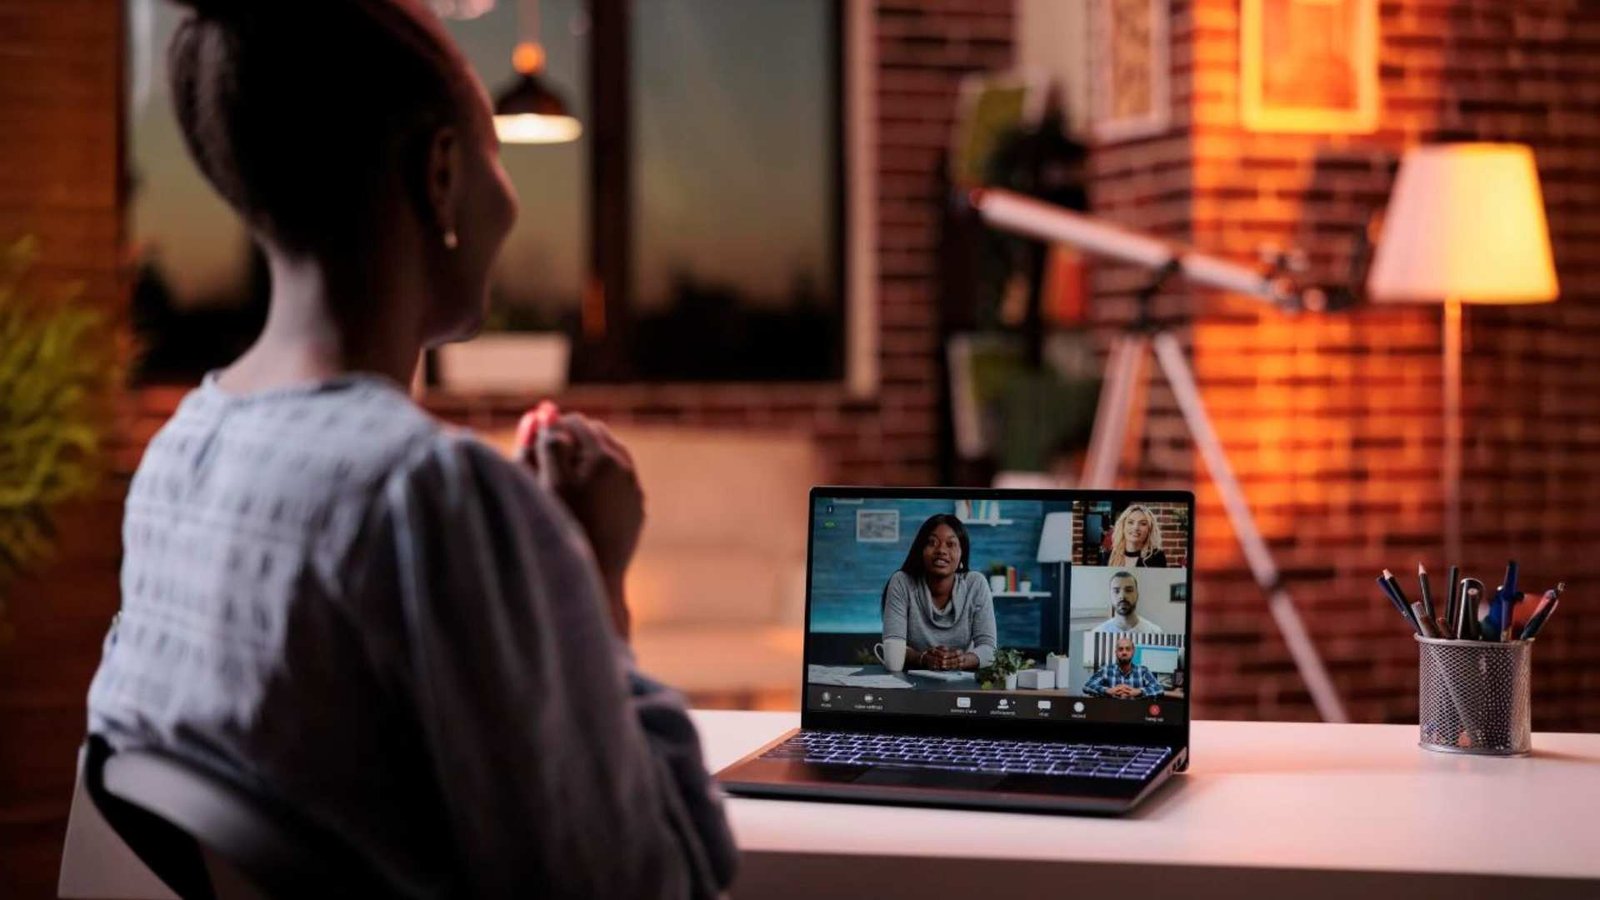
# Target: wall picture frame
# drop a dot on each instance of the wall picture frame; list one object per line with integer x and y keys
{"x": 1308, "y": 66}
{"x": 1130, "y": 61}
{"x": 878, "y": 526}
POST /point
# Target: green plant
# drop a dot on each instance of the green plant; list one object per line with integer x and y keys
{"x": 1006, "y": 662}
{"x": 60, "y": 363}
{"x": 997, "y": 568}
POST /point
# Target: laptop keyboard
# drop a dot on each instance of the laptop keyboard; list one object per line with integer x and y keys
{"x": 972, "y": 755}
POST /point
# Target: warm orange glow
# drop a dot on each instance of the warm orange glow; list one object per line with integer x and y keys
{"x": 528, "y": 58}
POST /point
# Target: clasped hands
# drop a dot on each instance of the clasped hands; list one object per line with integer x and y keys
{"x": 581, "y": 462}
{"x": 1124, "y": 692}
{"x": 942, "y": 658}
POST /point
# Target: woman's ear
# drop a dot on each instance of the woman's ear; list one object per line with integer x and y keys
{"x": 444, "y": 182}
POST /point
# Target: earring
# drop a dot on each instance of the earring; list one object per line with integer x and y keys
{"x": 450, "y": 239}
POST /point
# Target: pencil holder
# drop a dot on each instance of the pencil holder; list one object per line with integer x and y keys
{"x": 1473, "y": 696}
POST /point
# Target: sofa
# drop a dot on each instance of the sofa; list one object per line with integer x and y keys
{"x": 717, "y": 588}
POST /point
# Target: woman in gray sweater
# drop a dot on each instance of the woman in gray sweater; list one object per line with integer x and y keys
{"x": 937, "y": 605}
{"x": 332, "y": 600}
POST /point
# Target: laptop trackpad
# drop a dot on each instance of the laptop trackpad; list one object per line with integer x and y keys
{"x": 895, "y": 776}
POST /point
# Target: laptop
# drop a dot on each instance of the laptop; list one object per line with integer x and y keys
{"x": 1085, "y": 591}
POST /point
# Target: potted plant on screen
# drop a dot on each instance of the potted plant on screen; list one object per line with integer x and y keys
{"x": 1002, "y": 673}
{"x": 997, "y": 577}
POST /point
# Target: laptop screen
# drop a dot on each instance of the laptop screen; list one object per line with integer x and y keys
{"x": 1054, "y": 606}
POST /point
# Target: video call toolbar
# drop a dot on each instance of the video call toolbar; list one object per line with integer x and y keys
{"x": 990, "y": 704}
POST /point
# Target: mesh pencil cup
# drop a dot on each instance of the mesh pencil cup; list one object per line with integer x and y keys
{"x": 1473, "y": 696}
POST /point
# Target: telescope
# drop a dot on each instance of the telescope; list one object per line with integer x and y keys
{"x": 1276, "y": 283}
{"x": 1121, "y": 394}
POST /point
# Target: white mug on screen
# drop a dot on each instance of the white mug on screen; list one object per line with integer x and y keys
{"x": 892, "y": 653}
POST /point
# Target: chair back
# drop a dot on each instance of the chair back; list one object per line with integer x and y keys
{"x": 205, "y": 837}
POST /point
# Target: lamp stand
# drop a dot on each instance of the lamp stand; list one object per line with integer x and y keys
{"x": 1061, "y": 609}
{"x": 1452, "y": 431}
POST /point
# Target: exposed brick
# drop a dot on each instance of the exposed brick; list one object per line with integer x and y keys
{"x": 1333, "y": 422}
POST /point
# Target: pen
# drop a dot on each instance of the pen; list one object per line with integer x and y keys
{"x": 1547, "y": 606}
{"x": 1399, "y": 603}
{"x": 1467, "y": 623}
{"x": 1500, "y": 605}
{"x": 1424, "y": 622}
{"x": 1394, "y": 586}
{"x": 1427, "y": 592}
{"x": 1401, "y": 598}
{"x": 1450, "y": 597}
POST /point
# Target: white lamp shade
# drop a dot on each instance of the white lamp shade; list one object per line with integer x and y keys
{"x": 532, "y": 128}
{"x": 1055, "y": 539}
{"x": 1466, "y": 223}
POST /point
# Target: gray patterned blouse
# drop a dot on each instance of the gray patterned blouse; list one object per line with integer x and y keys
{"x": 328, "y": 597}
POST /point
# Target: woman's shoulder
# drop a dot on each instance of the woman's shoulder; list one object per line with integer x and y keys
{"x": 460, "y": 474}
{"x": 464, "y": 500}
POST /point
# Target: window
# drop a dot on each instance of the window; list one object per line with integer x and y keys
{"x": 736, "y": 191}
{"x": 696, "y": 232}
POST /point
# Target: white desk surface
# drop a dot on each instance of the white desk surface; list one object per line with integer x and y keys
{"x": 1266, "y": 810}
{"x": 1357, "y": 808}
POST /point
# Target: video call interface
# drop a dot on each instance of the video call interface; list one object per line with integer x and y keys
{"x": 1010, "y": 608}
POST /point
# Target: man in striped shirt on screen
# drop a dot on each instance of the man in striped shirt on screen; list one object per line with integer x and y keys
{"x": 1122, "y": 679}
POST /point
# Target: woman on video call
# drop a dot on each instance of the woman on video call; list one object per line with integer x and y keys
{"x": 937, "y": 605}
{"x": 1136, "y": 540}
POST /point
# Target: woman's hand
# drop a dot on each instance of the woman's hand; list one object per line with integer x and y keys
{"x": 588, "y": 468}
{"x": 942, "y": 658}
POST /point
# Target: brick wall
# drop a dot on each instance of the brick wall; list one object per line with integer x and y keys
{"x": 1334, "y": 421}
{"x": 59, "y": 99}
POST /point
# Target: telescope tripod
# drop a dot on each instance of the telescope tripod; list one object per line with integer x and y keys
{"x": 1120, "y": 415}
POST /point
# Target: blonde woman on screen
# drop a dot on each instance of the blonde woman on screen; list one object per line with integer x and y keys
{"x": 1136, "y": 539}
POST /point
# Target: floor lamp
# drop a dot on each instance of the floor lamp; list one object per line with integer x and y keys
{"x": 1055, "y": 546}
{"x": 1465, "y": 224}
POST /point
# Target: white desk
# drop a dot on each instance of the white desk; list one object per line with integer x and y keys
{"x": 1266, "y": 811}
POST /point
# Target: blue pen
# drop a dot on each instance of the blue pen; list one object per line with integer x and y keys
{"x": 1500, "y": 610}
{"x": 1391, "y": 590}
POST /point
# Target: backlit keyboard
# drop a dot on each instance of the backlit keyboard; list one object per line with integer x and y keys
{"x": 972, "y": 754}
